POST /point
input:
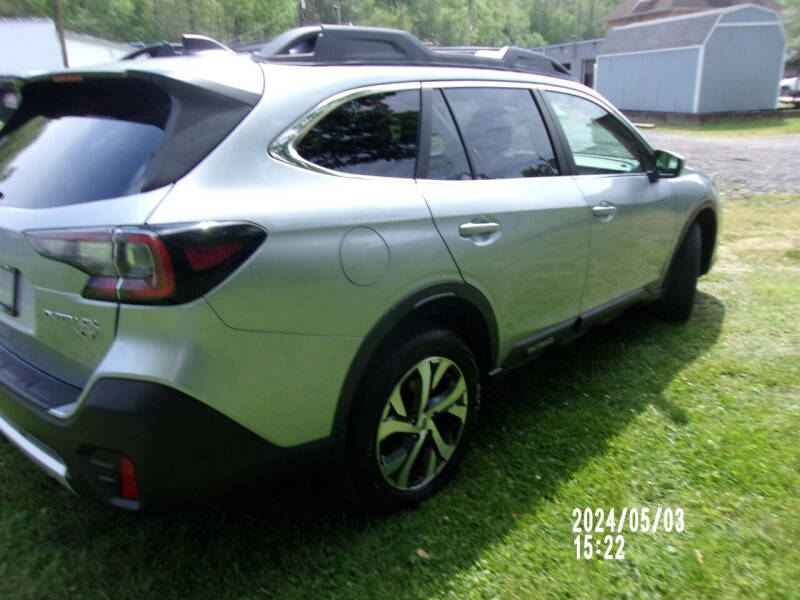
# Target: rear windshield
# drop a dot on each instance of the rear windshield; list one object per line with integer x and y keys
{"x": 71, "y": 143}
{"x": 68, "y": 160}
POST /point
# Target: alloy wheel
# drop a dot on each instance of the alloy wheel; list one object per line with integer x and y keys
{"x": 422, "y": 423}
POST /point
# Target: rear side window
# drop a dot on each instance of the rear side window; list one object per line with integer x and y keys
{"x": 372, "y": 135}
{"x": 503, "y": 131}
{"x": 69, "y": 148}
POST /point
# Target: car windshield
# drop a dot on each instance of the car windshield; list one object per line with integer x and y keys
{"x": 71, "y": 159}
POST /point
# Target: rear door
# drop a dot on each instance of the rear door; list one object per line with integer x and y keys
{"x": 517, "y": 229}
{"x": 633, "y": 218}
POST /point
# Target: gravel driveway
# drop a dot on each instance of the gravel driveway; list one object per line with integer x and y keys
{"x": 743, "y": 165}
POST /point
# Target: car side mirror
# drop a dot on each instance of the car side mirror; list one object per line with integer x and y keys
{"x": 668, "y": 164}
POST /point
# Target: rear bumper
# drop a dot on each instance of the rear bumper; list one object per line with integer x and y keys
{"x": 181, "y": 449}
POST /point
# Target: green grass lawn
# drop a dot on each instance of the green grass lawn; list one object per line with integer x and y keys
{"x": 742, "y": 128}
{"x": 703, "y": 416}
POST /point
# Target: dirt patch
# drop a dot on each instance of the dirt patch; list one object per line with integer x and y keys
{"x": 739, "y": 166}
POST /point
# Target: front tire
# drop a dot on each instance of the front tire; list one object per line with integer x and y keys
{"x": 678, "y": 300}
{"x": 412, "y": 419}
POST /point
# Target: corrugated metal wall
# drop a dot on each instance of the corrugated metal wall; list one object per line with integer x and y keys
{"x": 661, "y": 81}
{"x": 742, "y": 68}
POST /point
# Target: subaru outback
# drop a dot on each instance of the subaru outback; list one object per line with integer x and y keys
{"x": 219, "y": 266}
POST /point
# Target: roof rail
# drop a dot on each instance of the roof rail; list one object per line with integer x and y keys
{"x": 190, "y": 44}
{"x": 347, "y": 45}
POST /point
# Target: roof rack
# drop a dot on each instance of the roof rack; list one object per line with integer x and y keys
{"x": 347, "y": 45}
{"x": 190, "y": 44}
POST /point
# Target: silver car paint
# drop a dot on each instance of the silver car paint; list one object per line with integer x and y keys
{"x": 270, "y": 347}
{"x": 621, "y": 262}
{"x": 532, "y": 270}
{"x": 52, "y": 345}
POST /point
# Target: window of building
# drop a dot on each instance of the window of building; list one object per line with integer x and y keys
{"x": 588, "y": 72}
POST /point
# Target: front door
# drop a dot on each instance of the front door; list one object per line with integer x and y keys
{"x": 633, "y": 218}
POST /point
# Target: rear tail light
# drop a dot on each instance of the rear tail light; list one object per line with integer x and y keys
{"x": 158, "y": 265}
{"x": 128, "y": 488}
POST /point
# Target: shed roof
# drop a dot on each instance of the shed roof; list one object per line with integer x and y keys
{"x": 658, "y": 8}
{"x": 673, "y": 32}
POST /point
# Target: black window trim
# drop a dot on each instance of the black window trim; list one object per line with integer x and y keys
{"x": 426, "y": 129}
{"x": 283, "y": 147}
{"x": 552, "y": 127}
{"x": 644, "y": 150}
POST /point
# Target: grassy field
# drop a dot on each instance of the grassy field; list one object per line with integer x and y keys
{"x": 703, "y": 417}
{"x": 744, "y": 128}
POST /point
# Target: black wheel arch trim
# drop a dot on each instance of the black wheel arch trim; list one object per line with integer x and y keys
{"x": 391, "y": 319}
{"x": 706, "y": 203}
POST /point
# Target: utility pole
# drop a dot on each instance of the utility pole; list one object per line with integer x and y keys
{"x": 60, "y": 31}
{"x": 301, "y": 7}
{"x": 338, "y": 8}
{"x": 468, "y": 29}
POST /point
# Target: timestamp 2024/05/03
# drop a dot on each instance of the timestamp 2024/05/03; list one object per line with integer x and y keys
{"x": 599, "y": 531}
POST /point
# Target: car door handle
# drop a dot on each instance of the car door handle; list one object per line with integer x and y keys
{"x": 471, "y": 229}
{"x": 604, "y": 210}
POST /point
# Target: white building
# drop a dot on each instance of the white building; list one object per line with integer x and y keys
{"x": 31, "y": 44}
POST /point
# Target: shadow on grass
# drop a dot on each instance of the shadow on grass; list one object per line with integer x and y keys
{"x": 539, "y": 426}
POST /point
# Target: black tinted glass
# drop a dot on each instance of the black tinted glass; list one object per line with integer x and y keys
{"x": 70, "y": 159}
{"x": 446, "y": 159}
{"x": 503, "y": 131}
{"x": 373, "y": 135}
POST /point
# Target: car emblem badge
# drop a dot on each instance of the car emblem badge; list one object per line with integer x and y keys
{"x": 83, "y": 326}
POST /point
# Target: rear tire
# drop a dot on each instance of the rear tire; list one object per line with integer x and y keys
{"x": 678, "y": 300}
{"x": 411, "y": 420}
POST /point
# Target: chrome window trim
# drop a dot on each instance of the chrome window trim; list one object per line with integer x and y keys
{"x": 473, "y": 83}
{"x": 284, "y": 149}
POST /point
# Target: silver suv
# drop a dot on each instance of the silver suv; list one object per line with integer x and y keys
{"x": 218, "y": 265}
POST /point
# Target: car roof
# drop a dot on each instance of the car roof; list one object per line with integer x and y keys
{"x": 330, "y": 79}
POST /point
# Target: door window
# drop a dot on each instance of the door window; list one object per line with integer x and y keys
{"x": 372, "y": 135}
{"x": 600, "y": 143}
{"x": 446, "y": 158}
{"x": 503, "y": 131}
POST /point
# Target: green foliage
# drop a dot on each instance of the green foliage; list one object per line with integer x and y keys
{"x": 527, "y": 23}
{"x": 791, "y": 26}
{"x": 155, "y": 20}
{"x": 476, "y": 22}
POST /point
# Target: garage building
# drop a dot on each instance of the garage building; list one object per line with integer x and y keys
{"x": 713, "y": 61}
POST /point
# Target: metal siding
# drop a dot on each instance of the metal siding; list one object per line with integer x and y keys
{"x": 574, "y": 53}
{"x": 653, "y": 81}
{"x": 741, "y": 69}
